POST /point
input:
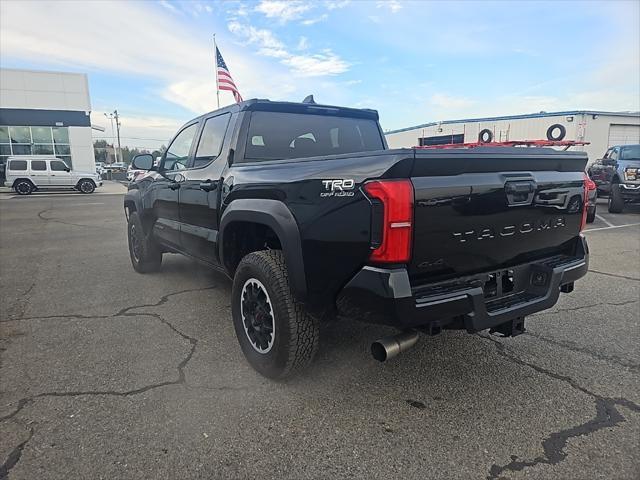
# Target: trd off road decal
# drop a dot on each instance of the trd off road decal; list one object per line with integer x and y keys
{"x": 342, "y": 187}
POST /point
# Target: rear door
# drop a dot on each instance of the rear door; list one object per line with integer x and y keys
{"x": 59, "y": 176}
{"x": 200, "y": 191}
{"x": 484, "y": 209}
{"x": 40, "y": 173}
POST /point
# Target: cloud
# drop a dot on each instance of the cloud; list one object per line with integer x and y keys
{"x": 309, "y": 65}
{"x": 169, "y": 59}
{"x": 336, "y": 4}
{"x": 303, "y": 43}
{"x": 282, "y": 10}
{"x": 394, "y": 6}
{"x": 320, "y": 64}
{"x": 146, "y": 131}
{"x": 443, "y": 100}
{"x": 313, "y": 21}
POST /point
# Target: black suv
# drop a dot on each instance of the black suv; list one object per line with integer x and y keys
{"x": 310, "y": 214}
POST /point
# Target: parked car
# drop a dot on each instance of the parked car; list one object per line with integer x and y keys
{"x": 132, "y": 173}
{"x": 118, "y": 167}
{"x": 617, "y": 175}
{"x": 27, "y": 174}
{"x": 310, "y": 214}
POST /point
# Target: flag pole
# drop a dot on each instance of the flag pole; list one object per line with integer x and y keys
{"x": 215, "y": 54}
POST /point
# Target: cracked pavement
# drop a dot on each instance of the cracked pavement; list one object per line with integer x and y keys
{"x": 105, "y": 373}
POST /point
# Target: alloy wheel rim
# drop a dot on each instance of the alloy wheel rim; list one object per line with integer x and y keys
{"x": 135, "y": 242}
{"x": 257, "y": 315}
{"x": 23, "y": 187}
{"x": 85, "y": 187}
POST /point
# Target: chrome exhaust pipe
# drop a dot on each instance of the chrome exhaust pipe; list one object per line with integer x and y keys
{"x": 389, "y": 347}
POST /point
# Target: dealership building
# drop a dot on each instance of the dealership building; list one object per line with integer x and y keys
{"x": 46, "y": 113}
{"x": 600, "y": 129}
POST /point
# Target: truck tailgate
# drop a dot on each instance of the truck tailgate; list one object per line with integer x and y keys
{"x": 484, "y": 209}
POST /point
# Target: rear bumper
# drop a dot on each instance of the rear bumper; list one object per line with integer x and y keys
{"x": 380, "y": 295}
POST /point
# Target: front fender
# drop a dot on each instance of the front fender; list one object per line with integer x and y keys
{"x": 275, "y": 215}
{"x": 133, "y": 202}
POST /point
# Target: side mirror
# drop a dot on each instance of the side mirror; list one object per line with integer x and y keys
{"x": 67, "y": 169}
{"x": 608, "y": 161}
{"x": 144, "y": 161}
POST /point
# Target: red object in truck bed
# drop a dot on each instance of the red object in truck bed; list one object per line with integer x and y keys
{"x": 513, "y": 143}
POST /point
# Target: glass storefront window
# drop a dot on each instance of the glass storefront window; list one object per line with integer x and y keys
{"x": 60, "y": 135}
{"x": 63, "y": 150}
{"x": 42, "y": 149}
{"x": 20, "y": 140}
{"x": 41, "y": 135}
{"x": 20, "y": 134}
{"x": 21, "y": 149}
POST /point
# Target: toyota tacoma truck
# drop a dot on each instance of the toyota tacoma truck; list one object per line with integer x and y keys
{"x": 310, "y": 214}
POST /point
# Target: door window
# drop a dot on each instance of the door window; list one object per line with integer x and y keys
{"x": 177, "y": 154}
{"x": 38, "y": 165}
{"x": 211, "y": 139}
{"x": 614, "y": 154}
{"x": 18, "y": 165}
{"x": 58, "y": 166}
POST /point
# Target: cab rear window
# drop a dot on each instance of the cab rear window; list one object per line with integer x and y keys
{"x": 18, "y": 165}
{"x": 280, "y": 136}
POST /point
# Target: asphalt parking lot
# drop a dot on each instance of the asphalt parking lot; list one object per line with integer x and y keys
{"x": 106, "y": 373}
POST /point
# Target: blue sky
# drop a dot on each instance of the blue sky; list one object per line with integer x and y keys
{"x": 412, "y": 61}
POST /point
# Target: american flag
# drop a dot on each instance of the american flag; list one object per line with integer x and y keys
{"x": 225, "y": 82}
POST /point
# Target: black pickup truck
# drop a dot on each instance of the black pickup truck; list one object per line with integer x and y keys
{"x": 310, "y": 214}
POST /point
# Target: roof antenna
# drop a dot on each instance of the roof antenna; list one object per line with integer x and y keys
{"x": 309, "y": 99}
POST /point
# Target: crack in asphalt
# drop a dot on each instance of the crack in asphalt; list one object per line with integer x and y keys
{"x": 126, "y": 312}
{"x": 582, "y": 307}
{"x": 122, "y": 312}
{"x": 56, "y": 220}
{"x": 607, "y": 415}
{"x": 14, "y": 457}
{"x": 615, "y": 275}
{"x": 574, "y": 347}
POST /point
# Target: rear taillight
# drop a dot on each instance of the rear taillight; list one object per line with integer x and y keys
{"x": 393, "y": 202}
{"x": 587, "y": 187}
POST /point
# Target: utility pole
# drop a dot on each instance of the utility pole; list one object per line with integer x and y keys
{"x": 111, "y": 116}
{"x": 115, "y": 114}
{"x": 113, "y": 134}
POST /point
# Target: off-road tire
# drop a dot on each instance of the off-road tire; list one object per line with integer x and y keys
{"x": 616, "y": 202}
{"x": 86, "y": 186}
{"x": 23, "y": 187}
{"x": 148, "y": 256}
{"x": 296, "y": 332}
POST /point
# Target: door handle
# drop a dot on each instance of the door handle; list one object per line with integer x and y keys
{"x": 208, "y": 186}
{"x": 174, "y": 186}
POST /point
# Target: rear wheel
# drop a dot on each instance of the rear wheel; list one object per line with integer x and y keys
{"x": 616, "y": 202}
{"x": 277, "y": 336}
{"x": 86, "y": 186}
{"x": 23, "y": 187}
{"x": 143, "y": 250}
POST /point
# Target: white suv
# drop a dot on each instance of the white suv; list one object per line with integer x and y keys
{"x": 26, "y": 174}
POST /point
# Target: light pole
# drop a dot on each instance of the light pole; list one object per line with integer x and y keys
{"x": 110, "y": 116}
